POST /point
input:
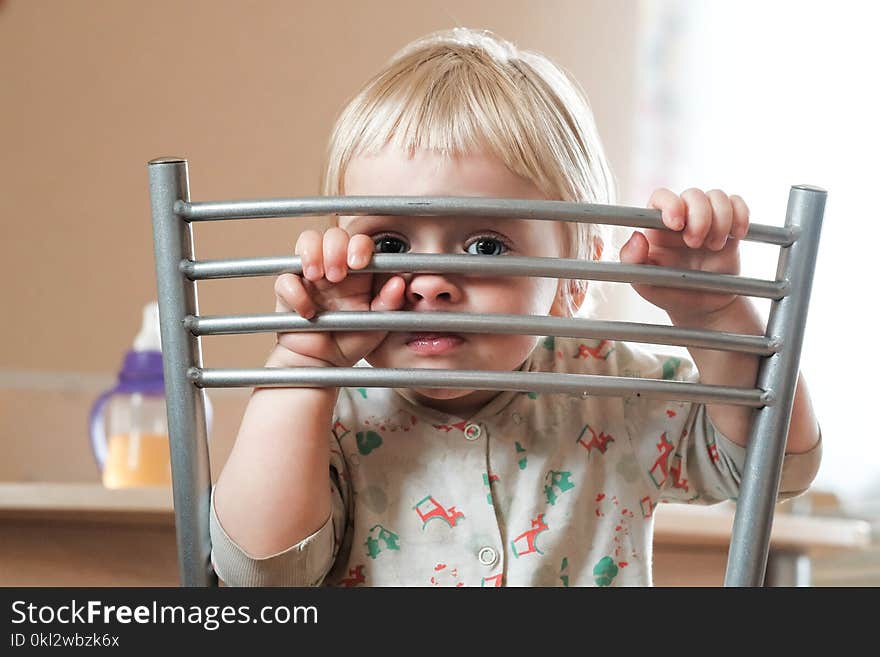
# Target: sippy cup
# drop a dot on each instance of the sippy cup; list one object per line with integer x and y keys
{"x": 134, "y": 416}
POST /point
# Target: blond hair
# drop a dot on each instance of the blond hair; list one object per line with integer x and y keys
{"x": 462, "y": 91}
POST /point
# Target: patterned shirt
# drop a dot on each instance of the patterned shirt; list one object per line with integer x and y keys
{"x": 535, "y": 489}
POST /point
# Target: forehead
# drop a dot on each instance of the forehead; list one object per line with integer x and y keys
{"x": 392, "y": 172}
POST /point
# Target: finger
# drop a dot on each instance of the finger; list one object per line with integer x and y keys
{"x": 740, "y": 217}
{"x": 292, "y": 296}
{"x": 335, "y": 250}
{"x": 672, "y": 208}
{"x": 360, "y": 251}
{"x": 391, "y": 295}
{"x": 699, "y": 217}
{"x": 722, "y": 219}
{"x": 282, "y": 287}
{"x": 635, "y": 251}
{"x": 309, "y": 249}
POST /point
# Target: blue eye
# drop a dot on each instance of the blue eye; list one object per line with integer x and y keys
{"x": 388, "y": 244}
{"x": 489, "y": 246}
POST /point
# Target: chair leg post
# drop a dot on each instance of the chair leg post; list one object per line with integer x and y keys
{"x": 190, "y": 464}
{"x": 750, "y": 540}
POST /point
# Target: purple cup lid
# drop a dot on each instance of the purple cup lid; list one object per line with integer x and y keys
{"x": 142, "y": 372}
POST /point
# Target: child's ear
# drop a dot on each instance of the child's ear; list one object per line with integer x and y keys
{"x": 577, "y": 294}
{"x": 558, "y": 307}
{"x": 598, "y": 247}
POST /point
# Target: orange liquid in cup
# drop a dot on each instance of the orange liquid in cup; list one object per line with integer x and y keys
{"x": 137, "y": 459}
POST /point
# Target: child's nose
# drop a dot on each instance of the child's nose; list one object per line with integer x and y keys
{"x": 431, "y": 289}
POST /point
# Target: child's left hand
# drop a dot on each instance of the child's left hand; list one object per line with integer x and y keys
{"x": 708, "y": 229}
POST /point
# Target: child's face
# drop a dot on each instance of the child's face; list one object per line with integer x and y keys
{"x": 392, "y": 173}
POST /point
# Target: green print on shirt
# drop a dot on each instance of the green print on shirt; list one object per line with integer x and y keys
{"x": 389, "y": 538}
{"x": 670, "y": 368}
{"x": 562, "y": 575}
{"x": 605, "y": 571}
{"x": 363, "y": 392}
{"x": 523, "y": 462}
{"x": 559, "y": 480}
{"x": 367, "y": 441}
{"x": 549, "y": 342}
{"x": 487, "y": 482}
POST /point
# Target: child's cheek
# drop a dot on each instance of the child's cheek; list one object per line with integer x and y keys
{"x": 517, "y": 296}
{"x": 530, "y": 296}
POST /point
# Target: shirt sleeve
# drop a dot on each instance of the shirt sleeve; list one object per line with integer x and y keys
{"x": 305, "y": 563}
{"x": 685, "y": 457}
{"x": 798, "y": 470}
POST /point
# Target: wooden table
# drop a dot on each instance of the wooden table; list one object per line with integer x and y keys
{"x": 86, "y": 535}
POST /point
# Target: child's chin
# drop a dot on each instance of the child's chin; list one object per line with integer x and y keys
{"x": 442, "y": 393}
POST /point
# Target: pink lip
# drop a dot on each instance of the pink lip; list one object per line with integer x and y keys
{"x": 433, "y": 343}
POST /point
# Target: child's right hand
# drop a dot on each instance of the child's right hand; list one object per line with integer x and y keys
{"x": 325, "y": 286}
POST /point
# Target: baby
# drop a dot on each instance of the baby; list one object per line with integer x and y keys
{"x": 420, "y": 487}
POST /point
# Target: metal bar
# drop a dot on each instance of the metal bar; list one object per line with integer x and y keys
{"x": 481, "y": 323}
{"x": 503, "y": 266}
{"x": 579, "y": 384}
{"x": 750, "y": 540}
{"x": 446, "y": 206}
{"x": 190, "y": 465}
{"x": 788, "y": 568}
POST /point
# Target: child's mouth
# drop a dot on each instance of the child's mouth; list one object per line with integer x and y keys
{"x": 433, "y": 343}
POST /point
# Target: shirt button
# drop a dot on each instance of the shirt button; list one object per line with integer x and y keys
{"x": 472, "y": 431}
{"x": 488, "y": 556}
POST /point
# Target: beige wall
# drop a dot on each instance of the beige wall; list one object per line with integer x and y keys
{"x": 247, "y": 91}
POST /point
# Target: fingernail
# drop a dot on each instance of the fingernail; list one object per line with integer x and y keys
{"x": 334, "y": 274}
{"x": 357, "y": 260}
{"x": 312, "y": 271}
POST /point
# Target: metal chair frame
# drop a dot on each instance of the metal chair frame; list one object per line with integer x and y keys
{"x": 177, "y": 272}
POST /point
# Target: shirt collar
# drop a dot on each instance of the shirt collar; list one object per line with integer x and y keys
{"x": 494, "y": 406}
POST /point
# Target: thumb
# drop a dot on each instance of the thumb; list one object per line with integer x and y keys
{"x": 391, "y": 296}
{"x": 635, "y": 251}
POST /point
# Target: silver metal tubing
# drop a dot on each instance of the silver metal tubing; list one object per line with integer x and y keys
{"x": 580, "y": 384}
{"x": 749, "y": 546}
{"x": 191, "y": 472}
{"x": 503, "y": 266}
{"x": 447, "y": 206}
{"x": 772, "y": 398}
{"x": 481, "y": 323}
{"x": 788, "y": 568}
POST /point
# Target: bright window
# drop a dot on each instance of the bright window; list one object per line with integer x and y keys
{"x": 753, "y": 97}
